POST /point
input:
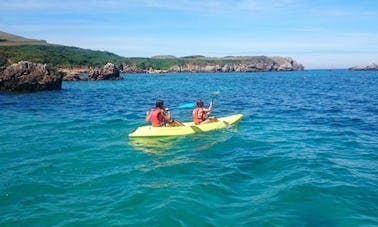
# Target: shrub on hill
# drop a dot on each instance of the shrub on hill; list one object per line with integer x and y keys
{"x": 56, "y": 55}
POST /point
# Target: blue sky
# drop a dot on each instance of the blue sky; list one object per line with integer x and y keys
{"x": 316, "y": 33}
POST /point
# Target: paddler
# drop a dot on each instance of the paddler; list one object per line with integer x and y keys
{"x": 160, "y": 116}
{"x": 200, "y": 113}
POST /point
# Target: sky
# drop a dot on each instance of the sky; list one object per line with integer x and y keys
{"x": 320, "y": 34}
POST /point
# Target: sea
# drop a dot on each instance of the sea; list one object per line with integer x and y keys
{"x": 304, "y": 154}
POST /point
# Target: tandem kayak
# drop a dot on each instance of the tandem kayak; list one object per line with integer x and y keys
{"x": 187, "y": 129}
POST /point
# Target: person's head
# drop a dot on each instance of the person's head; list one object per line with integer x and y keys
{"x": 199, "y": 103}
{"x": 160, "y": 104}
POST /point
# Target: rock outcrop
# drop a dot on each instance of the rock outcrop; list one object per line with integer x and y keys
{"x": 75, "y": 74}
{"x": 132, "y": 69}
{"x": 27, "y": 76}
{"x": 242, "y": 65}
{"x": 364, "y": 68}
{"x": 74, "y": 77}
{"x": 108, "y": 72}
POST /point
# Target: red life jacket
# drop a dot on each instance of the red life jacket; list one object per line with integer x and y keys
{"x": 197, "y": 120}
{"x": 156, "y": 118}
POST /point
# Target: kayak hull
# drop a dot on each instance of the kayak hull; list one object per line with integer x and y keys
{"x": 188, "y": 128}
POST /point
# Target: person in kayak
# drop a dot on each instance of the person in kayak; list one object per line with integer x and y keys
{"x": 200, "y": 113}
{"x": 160, "y": 116}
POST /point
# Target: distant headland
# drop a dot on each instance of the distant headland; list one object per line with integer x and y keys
{"x": 372, "y": 67}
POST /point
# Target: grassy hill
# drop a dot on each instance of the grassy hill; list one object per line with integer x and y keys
{"x": 56, "y": 55}
{"x": 15, "y": 48}
{"x": 7, "y": 39}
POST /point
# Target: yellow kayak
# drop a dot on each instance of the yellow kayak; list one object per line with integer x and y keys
{"x": 187, "y": 129}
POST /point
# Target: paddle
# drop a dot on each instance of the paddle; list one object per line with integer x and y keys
{"x": 215, "y": 94}
{"x": 193, "y": 104}
{"x": 186, "y": 105}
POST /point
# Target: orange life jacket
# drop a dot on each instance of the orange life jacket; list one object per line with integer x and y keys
{"x": 156, "y": 118}
{"x": 198, "y": 119}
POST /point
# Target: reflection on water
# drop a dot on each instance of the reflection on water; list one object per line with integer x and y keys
{"x": 195, "y": 142}
{"x": 206, "y": 141}
{"x": 155, "y": 145}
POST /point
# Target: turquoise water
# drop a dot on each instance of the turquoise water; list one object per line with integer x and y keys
{"x": 305, "y": 154}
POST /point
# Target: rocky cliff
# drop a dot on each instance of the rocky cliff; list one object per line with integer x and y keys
{"x": 197, "y": 63}
{"x": 226, "y": 64}
{"x": 248, "y": 65}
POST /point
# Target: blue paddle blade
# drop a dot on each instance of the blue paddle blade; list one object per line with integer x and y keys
{"x": 186, "y": 105}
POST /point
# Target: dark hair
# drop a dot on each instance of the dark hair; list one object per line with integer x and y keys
{"x": 160, "y": 104}
{"x": 199, "y": 103}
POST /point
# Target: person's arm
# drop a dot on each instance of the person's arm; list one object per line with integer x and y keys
{"x": 210, "y": 108}
{"x": 148, "y": 115}
{"x": 166, "y": 114}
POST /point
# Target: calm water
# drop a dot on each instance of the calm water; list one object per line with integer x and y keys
{"x": 305, "y": 154}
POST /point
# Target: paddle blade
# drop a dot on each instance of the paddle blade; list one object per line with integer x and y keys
{"x": 187, "y": 105}
{"x": 215, "y": 93}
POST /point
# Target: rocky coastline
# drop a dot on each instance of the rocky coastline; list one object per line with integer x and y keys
{"x": 241, "y": 64}
{"x": 27, "y": 76}
{"x": 107, "y": 72}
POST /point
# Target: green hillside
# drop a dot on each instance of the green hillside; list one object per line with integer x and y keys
{"x": 56, "y": 55}
{"x": 15, "y": 48}
{"x": 64, "y": 56}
